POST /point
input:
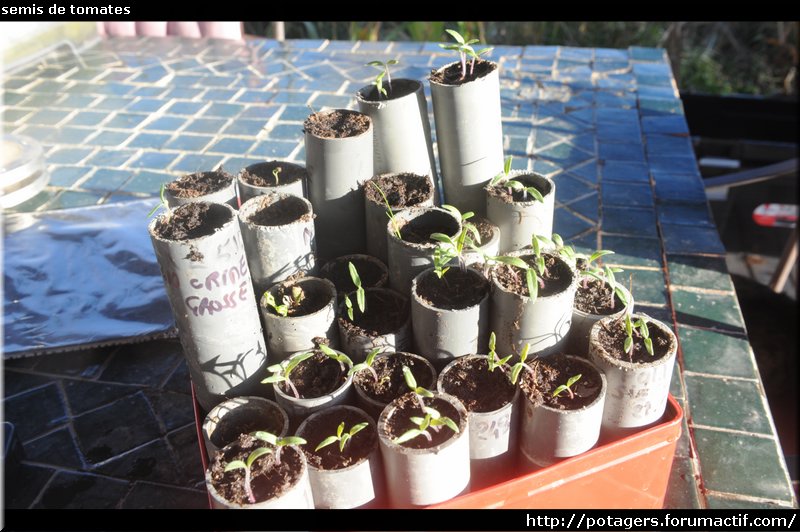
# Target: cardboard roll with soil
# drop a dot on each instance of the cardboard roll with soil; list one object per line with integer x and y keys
{"x": 408, "y": 406}
{"x": 521, "y": 195}
{"x": 244, "y": 415}
{"x": 594, "y": 296}
{"x": 213, "y": 186}
{"x": 456, "y": 289}
{"x": 611, "y": 336}
{"x": 398, "y": 88}
{"x": 272, "y": 176}
{"x": 191, "y": 221}
{"x": 284, "y": 209}
{"x": 556, "y": 278}
{"x": 480, "y": 390}
{"x": 452, "y": 74}
{"x": 301, "y": 297}
{"x": 373, "y": 273}
{"x": 386, "y": 312}
{"x": 387, "y": 383}
{"x": 269, "y": 479}
{"x": 336, "y": 124}
{"x": 315, "y": 376}
{"x": 547, "y": 374}
{"x": 402, "y": 190}
{"x": 322, "y": 425}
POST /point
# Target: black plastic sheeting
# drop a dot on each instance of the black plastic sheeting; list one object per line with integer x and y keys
{"x": 80, "y": 278}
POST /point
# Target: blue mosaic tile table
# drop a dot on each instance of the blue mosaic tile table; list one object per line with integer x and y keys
{"x": 607, "y": 125}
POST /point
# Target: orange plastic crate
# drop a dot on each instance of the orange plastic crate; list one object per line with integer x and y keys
{"x": 632, "y": 472}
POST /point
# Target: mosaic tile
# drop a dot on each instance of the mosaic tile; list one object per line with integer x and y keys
{"x": 185, "y": 108}
{"x": 68, "y": 155}
{"x": 69, "y": 490}
{"x": 626, "y": 171}
{"x": 725, "y": 455}
{"x": 567, "y": 224}
{"x": 633, "y": 251}
{"x": 627, "y": 194}
{"x": 699, "y": 271}
{"x": 66, "y": 176}
{"x": 185, "y": 142}
{"x": 70, "y": 198}
{"x": 165, "y": 123}
{"x": 691, "y": 239}
{"x": 47, "y": 117}
{"x": 153, "y": 160}
{"x": 621, "y": 151}
{"x": 273, "y": 149}
{"x": 87, "y": 118}
{"x": 147, "y": 182}
{"x": 112, "y": 158}
{"x": 36, "y": 412}
{"x": 727, "y": 403}
{"x": 711, "y": 311}
{"x": 191, "y": 163}
{"x": 682, "y": 490}
{"x": 230, "y": 145}
{"x": 680, "y": 188}
{"x": 57, "y": 449}
{"x": 629, "y": 221}
{"x": 244, "y": 127}
{"x": 206, "y": 125}
{"x": 149, "y": 140}
{"x": 649, "y": 287}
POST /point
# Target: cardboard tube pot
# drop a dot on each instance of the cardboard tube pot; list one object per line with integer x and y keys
{"x": 518, "y": 220}
{"x": 373, "y": 272}
{"x": 299, "y": 408}
{"x": 548, "y": 434}
{"x": 210, "y": 290}
{"x": 369, "y": 331}
{"x": 423, "y": 476}
{"x": 637, "y": 391}
{"x": 469, "y": 135}
{"x": 240, "y": 415}
{"x": 358, "y": 485}
{"x": 296, "y": 496}
{"x": 402, "y": 191}
{"x": 543, "y": 323}
{"x": 287, "y": 335}
{"x": 582, "y": 322}
{"x": 402, "y": 131}
{"x": 258, "y": 180}
{"x": 389, "y": 366}
{"x": 336, "y": 167}
{"x": 414, "y": 252}
{"x": 446, "y": 327}
{"x": 490, "y": 241}
{"x": 216, "y": 186}
{"x": 278, "y": 235}
{"x": 493, "y": 433}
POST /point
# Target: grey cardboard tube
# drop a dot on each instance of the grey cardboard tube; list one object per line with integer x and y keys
{"x": 238, "y": 415}
{"x": 296, "y": 186}
{"x": 336, "y": 168}
{"x": 402, "y": 135}
{"x": 276, "y": 252}
{"x": 209, "y": 287}
{"x": 358, "y": 345}
{"x": 227, "y": 194}
{"x": 582, "y": 322}
{"x": 519, "y": 220}
{"x": 469, "y": 136}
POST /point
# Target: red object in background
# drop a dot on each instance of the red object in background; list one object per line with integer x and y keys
{"x": 632, "y": 472}
{"x": 775, "y": 215}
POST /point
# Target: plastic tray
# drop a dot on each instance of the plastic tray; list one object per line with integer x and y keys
{"x": 632, "y": 472}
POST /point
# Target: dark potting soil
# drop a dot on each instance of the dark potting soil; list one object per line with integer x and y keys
{"x": 338, "y": 272}
{"x": 316, "y": 376}
{"x": 549, "y": 373}
{"x": 230, "y": 428}
{"x": 478, "y": 388}
{"x": 457, "y": 289}
{"x": 330, "y": 457}
{"x": 394, "y": 90}
{"x": 407, "y": 407}
{"x": 419, "y": 230}
{"x": 519, "y": 196}
{"x": 260, "y": 174}
{"x": 451, "y": 75}
{"x": 557, "y": 276}
{"x": 391, "y": 384}
{"x": 595, "y": 297}
{"x": 192, "y": 220}
{"x": 401, "y": 190}
{"x": 200, "y": 184}
{"x": 314, "y": 298}
{"x": 385, "y": 313}
{"x": 336, "y": 124}
{"x": 282, "y": 211}
{"x": 269, "y": 480}
{"x": 612, "y": 338}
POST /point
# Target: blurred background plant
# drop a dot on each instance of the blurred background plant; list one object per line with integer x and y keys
{"x": 758, "y": 58}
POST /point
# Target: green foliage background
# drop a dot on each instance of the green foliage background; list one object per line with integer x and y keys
{"x": 707, "y": 57}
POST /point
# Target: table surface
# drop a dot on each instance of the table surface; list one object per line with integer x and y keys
{"x": 128, "y": 114}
